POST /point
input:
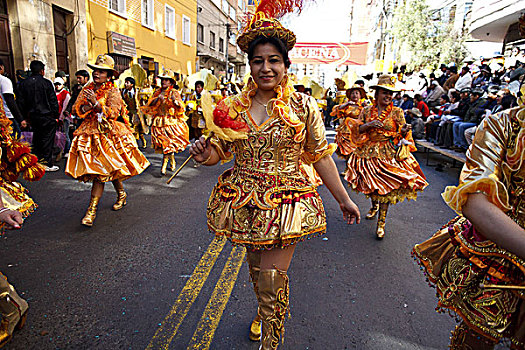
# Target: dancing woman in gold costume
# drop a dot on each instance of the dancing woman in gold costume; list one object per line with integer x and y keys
{"x": 169, "y": 131}
{"x": 265, "y": 202}
{"x": 477, "y": 260}
{"x": 381, "y": 166}
{"x": 103, "y": 149}
{"x": 15, "y": 205}
{"x": 351, "y": 109}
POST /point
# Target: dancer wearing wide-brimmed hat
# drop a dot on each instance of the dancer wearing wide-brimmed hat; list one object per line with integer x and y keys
{"x": 266, "y": 202}
{"x": 103, "y": 149}
{"x": 381, "y": 166}
{"x": 169, "y": 131}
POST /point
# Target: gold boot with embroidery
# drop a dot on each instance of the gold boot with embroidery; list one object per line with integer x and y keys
{"x": 173, "y": 162}
{"x": 121, "y": 200}
{"x": 373, "y": 210}
{"x": 13, "y": 309}
{"x": 165, "y": 161}
{"x": 143, "y": 139}
{"x": 91, "y": 212}
{"x": 273, "y": 292}
{"x": 381, "y": 220}
{"x": 254, "y": 263}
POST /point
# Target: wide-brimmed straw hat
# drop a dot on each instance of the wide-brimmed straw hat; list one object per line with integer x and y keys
{"x": 416, "y": 112}
{"x": 359, "y": 88}
{"x": 105, "y": 62}
{"x": 168, "y": 74}
{"x": 387, "y": 82}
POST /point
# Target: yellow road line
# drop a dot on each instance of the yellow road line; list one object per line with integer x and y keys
{"x": 221, "y": 294}
{"x": 169, "y": 327}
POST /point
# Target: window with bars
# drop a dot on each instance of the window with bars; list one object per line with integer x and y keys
{"x": 148, "y": 14}
{"x": 186, "y": 30}
{"x": 170, "y": 21}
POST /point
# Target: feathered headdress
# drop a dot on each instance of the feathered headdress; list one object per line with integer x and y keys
{"x": 264, "y": 22}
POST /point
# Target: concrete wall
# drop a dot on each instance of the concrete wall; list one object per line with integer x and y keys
{"x": 32, "y": 33}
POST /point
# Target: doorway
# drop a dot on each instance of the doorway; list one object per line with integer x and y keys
{"x": 60, "y": 26}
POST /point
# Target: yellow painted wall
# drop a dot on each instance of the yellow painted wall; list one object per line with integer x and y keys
{"x": 170, "y": 53}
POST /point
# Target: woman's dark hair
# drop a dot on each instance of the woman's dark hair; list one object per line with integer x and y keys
{"x": 278, "y": 43}
{"x": 83, "y": 73}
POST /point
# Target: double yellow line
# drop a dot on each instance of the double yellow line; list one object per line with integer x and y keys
{"x": 209, "y": 321}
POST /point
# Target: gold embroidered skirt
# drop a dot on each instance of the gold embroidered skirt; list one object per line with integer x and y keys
{"x": 169, "y": 135}
{"x": 385, "y": 180}
{"x": 263, "y": 211}
{"x": 456, "y": 261}
{"x": 109, "y": 156}
{"x": 15, "y": 197}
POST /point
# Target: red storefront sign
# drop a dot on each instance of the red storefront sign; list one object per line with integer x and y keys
{"x": 329, "y": 53}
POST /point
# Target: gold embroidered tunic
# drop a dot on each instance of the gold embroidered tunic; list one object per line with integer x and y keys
{"x": 267, "y": 199}
{"x": 457, "y": 259}
{"x": 343, "y": 138}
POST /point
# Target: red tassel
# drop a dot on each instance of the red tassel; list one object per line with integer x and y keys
{"x": 222, "y": 118}
{"x": 25, "y": 161}
{"x": 15, "y": 150}
{"x": 34, "y": 173}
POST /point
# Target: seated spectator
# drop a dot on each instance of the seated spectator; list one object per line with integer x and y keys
{"x": 465, "y": 79}
{"x": 432, "y": 122}
{"x": 452, "y": 79}
{"x": 422, "y": 106}
{"x": 483, "y": 79}
{"x": 445, "y": 134}
{"x": 472, "y": 118}
{"x": 418, "y": 126}
{"x": 434, "y": 95}
{"x": 407, "y": 103}
{"x": 445, "y": 74}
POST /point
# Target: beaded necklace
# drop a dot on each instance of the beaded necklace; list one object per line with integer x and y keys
{"x": 386, "y": 112}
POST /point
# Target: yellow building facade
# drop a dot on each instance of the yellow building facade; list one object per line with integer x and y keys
{"x": 157, "y": 34}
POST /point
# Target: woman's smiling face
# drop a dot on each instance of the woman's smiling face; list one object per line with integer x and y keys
{"x": 267, "y": 66}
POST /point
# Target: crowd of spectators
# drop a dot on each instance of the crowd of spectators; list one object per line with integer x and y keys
{"x": 448, "y": 107}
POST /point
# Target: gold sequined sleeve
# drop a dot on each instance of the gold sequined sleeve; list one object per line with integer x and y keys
{"x": 483, "y": 170}
{"x": 316, "y": 146}
{"x": 223, "y": 149}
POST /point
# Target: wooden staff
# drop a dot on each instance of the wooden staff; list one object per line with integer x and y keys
{"x": 503, "y": 286}
{"x": 186, "y": 162}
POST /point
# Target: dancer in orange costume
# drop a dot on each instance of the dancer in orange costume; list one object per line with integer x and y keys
{"x": 103, "y": 149}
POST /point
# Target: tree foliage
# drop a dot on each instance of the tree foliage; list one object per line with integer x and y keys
{"x": 428, "y": 40}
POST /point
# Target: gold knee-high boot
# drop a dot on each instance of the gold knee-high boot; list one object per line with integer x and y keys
{"x": 274, "y": 294}
{"x": 13, "y": 309}
{"x": 91, "y": 212}
{"x": 254, "y": 263}
{"x": 373, "y": 210}
{"x": 121, "y": 195}
{"x": 165, "y": 160}
{"x": 172, "y": 161}
{"x": 380, "y": 229}
{"x": 463, "y": 338}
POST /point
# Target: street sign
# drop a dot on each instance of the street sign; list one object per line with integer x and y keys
{"x": 121, "y": 44}
{"x": 329, "y": 53}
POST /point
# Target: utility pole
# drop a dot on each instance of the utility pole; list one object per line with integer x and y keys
{"x": 227, "y": 47}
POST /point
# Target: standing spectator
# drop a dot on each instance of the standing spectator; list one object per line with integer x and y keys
{"x": 40, "y": 106}
{"x": 452, "y": 79}
{"x": 63, "y": 97}
{"x": 10, "y": 107}
{"x": 435, "y": 94}
{"x": 445, "y": 74}
{"x": 464, "y": 80}
{"x": 82, "y": 79}
{"x": 422, "y": 106}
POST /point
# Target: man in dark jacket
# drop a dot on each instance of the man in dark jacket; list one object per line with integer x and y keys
{"x": 471, "y": 118}
{"x": 445, "y": 137}
{"x": 39, "y": 105}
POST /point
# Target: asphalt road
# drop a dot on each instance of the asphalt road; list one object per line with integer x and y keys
{"x": 145, "y": 276}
